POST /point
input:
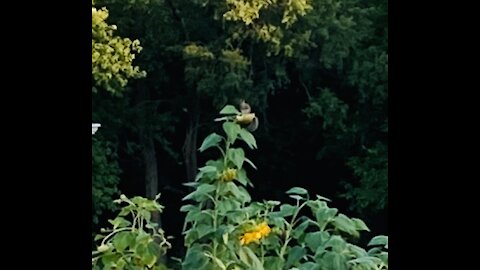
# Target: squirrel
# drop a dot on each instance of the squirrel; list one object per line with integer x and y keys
{"x": 246, "y": 109}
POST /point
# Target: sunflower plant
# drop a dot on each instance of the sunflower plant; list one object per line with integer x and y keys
{"x": 133, "y": 243}
{"x": 221, "y": 219}
{"x": 224, "y": 229}
{"x": 320, "y": 239}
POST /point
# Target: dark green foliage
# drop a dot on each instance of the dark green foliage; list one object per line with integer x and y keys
{"x": 372, "y": 170}
{"x": 105, "y": 177}
{"x": 351, "y": 100}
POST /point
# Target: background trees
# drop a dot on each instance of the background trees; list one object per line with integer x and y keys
{"x": 314, "y": 71}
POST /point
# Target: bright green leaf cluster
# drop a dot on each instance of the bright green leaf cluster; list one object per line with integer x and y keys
{"x": 295, "y": 8}
{"x": 266, "y": 21}
{"x": 234, "y": 60}
{"x": 112, "y": 56}
{"x": 245, "y": 11}
{"x": 197, "y": 51}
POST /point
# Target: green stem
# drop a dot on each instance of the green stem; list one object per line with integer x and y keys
{"x": 221, "y": 150}
{"x": 215, "y": 216}
{"x": 217, "y": 195}
{"x": 227, "y": 146}
{"x": 289, "y": 229}
{"x": 134, "y": 220}
{"x": 262, "y": 253}
{"x": 215, "y": 221}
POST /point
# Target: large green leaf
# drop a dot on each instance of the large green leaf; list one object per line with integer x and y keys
{"x": 336, "y": 243}
{"x": 345, "y": 224}
{"x": 357, "y": 251}
{"x": 316, "y": 239}
{"x": 194, "y": 259}
{"x": 140, "y": 249}
{"x": 187, "y": 207}
{"x": 209, "y": 171}
{"x": 232, "y": 130}
{"x": 297, "y": 190}
{"x": 237, "y": 156}
{"x": 237, "y": 216}
{"x": 122, "y": 240}
{"x": 309, "y": 266}
{"x": 324, "y": 216}
{"x": 192, "y": 214}
{"x": 245, "y": 195}
{"x": 335, "y": 261}
{"x": 299, "y": 230}
{"x": 191, "y": 236}
{"x": 142, "y": 238}
{"x": 368, "y": 262}
{"x": 287, "y": 210}
{"x": 239, "y": 192}
{"x": 248, "y": 257}
{"x": 383, "y": 256}
{"x": 360, "y": 225}
{"x": 380, "y": 240}
{"x": 295, "y": 254}
{"x": 111, "y": 258}
{"x": 152, "y": 254}
{"x": 273, "y": 263}
{"x": 225, "y": 206}
{"x": 229, "y": 109}
{"x": 210, "y": 141}
{"x": 119, "y": 222}
{"x": 121, "y": 263}
{"x": 204, "y": 229}
{"x": 146, "y": 214}
{"x": 321, "y": 250}
{"x": 216, "y": 163}
{"x": 242, "y": 177}
{"x": 277, "y": 220}
{"x": 202, "y": 189}
{"x": 248, "y": 138}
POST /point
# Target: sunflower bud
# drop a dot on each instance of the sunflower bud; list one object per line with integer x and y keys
{"x": 244, "y": 119}
{"x": 229, "y": 174}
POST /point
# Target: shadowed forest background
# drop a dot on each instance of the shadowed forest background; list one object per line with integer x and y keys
{"x": 315, "y": 73}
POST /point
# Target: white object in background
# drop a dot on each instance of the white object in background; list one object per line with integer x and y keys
{"x": 95, "y": 128}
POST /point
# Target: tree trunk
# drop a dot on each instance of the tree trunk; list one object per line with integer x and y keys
{"x": 148, "y": 147}
{"x": 149, "y": 156}
{"x": 151, "y": 173}
{"x": 190, "y": 145}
